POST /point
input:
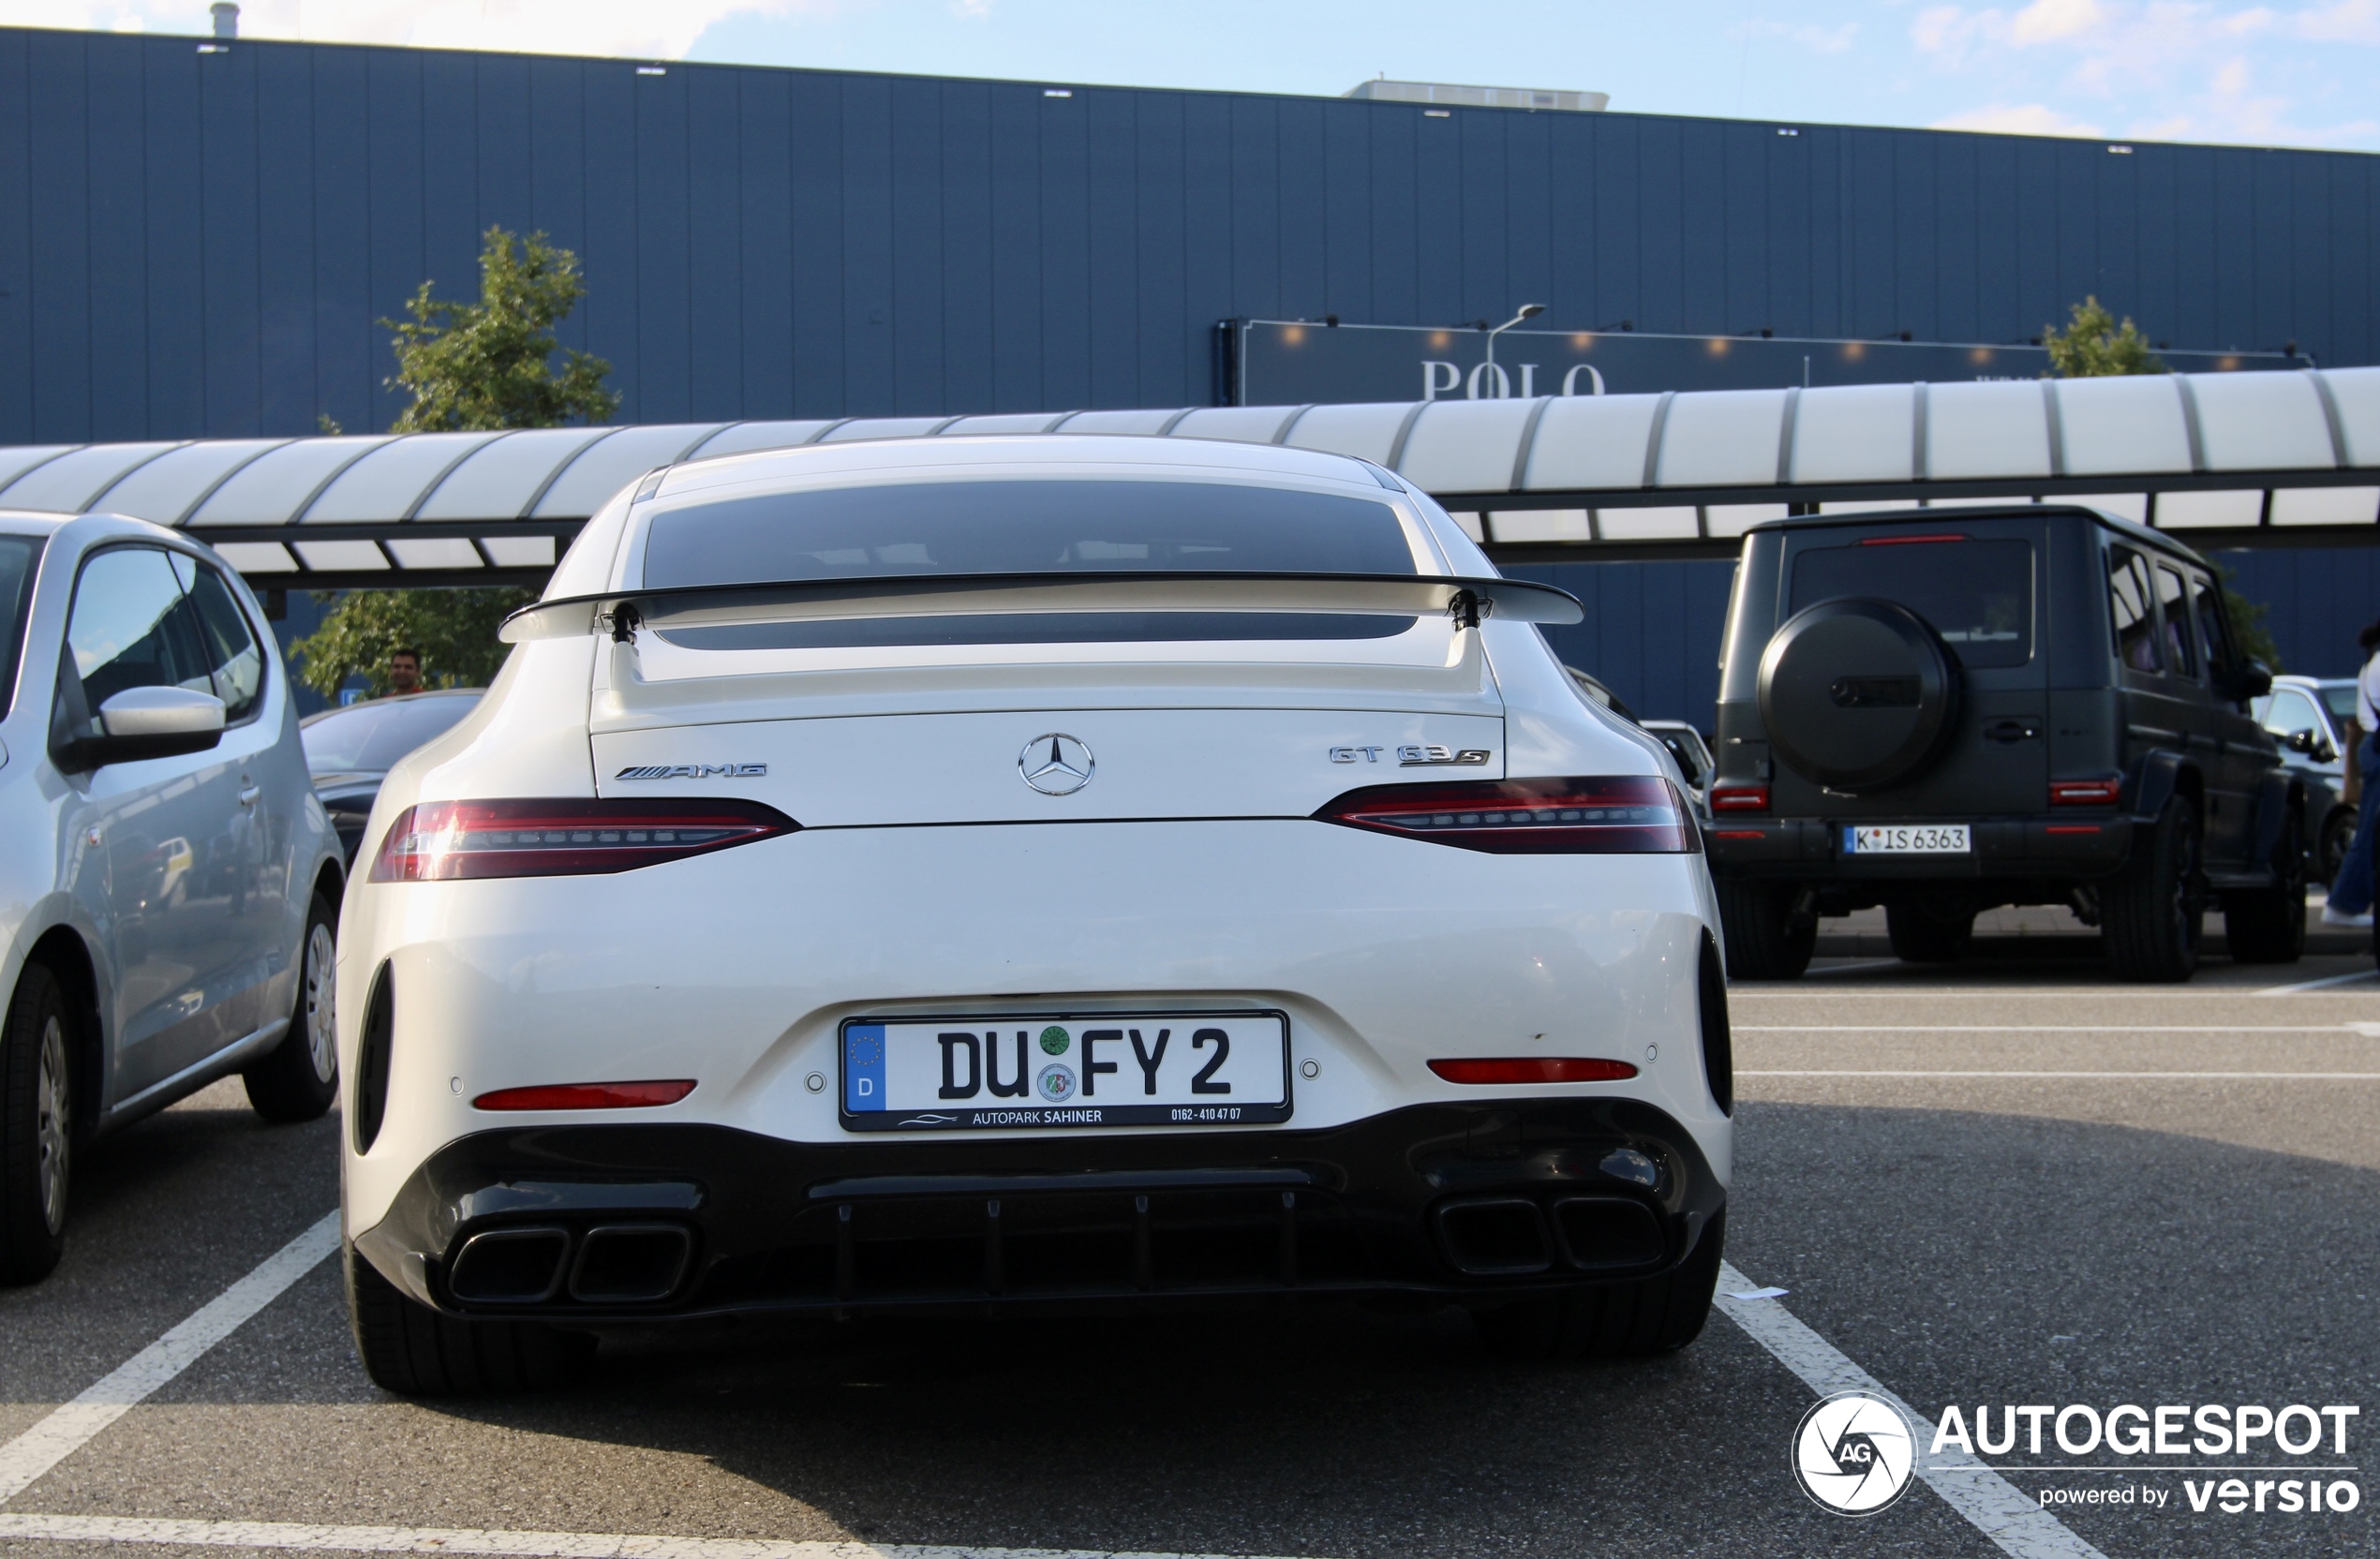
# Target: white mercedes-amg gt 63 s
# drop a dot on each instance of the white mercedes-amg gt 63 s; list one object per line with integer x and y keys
{"x": 1027, "y": 871}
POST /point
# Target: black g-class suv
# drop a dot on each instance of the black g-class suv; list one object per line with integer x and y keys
{"x": 1945, "y": 710}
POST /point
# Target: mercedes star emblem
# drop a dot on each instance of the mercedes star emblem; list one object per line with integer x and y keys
{"x": 1055, "y": 764}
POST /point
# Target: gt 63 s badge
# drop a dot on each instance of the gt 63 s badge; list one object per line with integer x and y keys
{"x": 1854, "y": 1453}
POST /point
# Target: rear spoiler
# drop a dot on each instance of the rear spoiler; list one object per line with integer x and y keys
{"x": 620, "y": 613}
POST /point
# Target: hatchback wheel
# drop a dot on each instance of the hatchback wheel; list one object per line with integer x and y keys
{"x": 297, "y": 1079}
{"x": 36, "y": 1127}
{"x": 2150, "y": 911}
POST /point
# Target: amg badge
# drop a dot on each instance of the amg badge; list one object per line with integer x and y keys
{"x": 692, "y": 771}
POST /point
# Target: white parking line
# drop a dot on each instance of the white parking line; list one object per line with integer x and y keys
{"x": 517, "y": 1545}
{"x": 2181, "y": 1077}
{"x": 1989, "y": 1501}
{"x": 2320, "y": 985}
{"x": 72, "y": 1425}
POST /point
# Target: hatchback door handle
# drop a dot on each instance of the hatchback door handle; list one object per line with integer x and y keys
{"x": 247, "y": 797}
{"x": 2010, "y": 731}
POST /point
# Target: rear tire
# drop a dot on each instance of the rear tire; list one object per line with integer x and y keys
{"x": 408, "y": 1348}
{"x": 1929, "y": 931}
{"x": 2269, "y": 925}
{"x": 2150, "y": 911}
{"x": 297, "y": 1079}
{"x": 1612, "y": 1320}
{"x": 36, "y": 1126}
{"x": 1770, "y": 935}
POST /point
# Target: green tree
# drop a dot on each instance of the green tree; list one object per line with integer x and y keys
{"x": 481, "y": 365}
{"x": 490, "y": 364}
{"x": 454, "y": 631}
{"x": 2093, "y": 345}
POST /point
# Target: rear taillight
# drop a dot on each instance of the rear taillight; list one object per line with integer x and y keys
{"x": 1533, "y": 1069}
{"x": 443, "y": 840}
{"x": 1739, "y": 798}
{"x": 638, "y": 1095}
{"x": 1626, "y": 814}
{"x": 2084, "y": 793}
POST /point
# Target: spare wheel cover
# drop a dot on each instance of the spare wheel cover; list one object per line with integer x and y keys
{"x": 1857, "y": 693}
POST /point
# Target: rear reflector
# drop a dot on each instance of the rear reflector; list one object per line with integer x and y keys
{"x": 2084, "y": 793}
{"x": 1626, "y": 814}
{"x": 1907, "y": 540}
{"x": 443, "y": 840}
{"x": 1739, "y": 798}
{"x": 586, "y": 1097}
{"x": 1534, "y": 1069}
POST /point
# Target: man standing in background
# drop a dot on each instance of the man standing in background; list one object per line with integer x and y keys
{"x": 404, "y": 670}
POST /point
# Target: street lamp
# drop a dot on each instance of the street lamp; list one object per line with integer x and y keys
{"x": 1529, "y": 311}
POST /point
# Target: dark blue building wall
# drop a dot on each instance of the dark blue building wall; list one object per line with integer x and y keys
{"x": 200, "y": 244}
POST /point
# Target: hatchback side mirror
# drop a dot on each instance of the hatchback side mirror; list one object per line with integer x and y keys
{"x": 2300, "y": 741}
{"x": 150, "y": 722}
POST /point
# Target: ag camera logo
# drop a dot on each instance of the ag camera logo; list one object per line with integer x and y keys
{"x": 1854, "y": 1453}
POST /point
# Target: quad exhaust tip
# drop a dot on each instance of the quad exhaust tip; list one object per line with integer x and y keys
{"x": 615, "y": 1264}
{"x": 1518, "y": 1237}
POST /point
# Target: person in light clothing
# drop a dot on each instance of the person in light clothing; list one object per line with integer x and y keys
{"x": 2351, "y": 891}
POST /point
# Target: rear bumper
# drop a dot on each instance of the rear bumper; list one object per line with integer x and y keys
{"x": 1471, "y": 1200}
{"x": 2075, "y": 848}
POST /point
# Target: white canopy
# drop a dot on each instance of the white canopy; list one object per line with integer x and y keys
{"x": 2251, "y": 456}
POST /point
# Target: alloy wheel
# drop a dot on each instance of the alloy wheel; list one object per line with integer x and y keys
{"x": 322, "y": 1021}
{"x": 51, "y": 1123}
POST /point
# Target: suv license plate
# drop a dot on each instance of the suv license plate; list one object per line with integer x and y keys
{"x": 1929, "y": 838}
{"x": 1040, "y": 1071}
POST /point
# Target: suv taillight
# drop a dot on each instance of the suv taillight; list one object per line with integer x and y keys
{"x": 1739, "y": 798}
{"x": 444, "y": 840}
{"x": 2084, "y": 793}
{"x": 1626, "y": 815}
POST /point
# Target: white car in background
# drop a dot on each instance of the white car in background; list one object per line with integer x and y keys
{"x": 1027, "y": 870}
{"x": 169, "y": 883}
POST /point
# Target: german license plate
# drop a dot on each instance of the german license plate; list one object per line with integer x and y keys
{"x": 1929, "y": 838}
{"x": 1064, "y": 1070}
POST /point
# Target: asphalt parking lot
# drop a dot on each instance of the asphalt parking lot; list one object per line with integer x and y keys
{"x": 2008, "y": 1182}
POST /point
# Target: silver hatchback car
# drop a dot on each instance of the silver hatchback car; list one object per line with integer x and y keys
{"x": 169, "y": 883}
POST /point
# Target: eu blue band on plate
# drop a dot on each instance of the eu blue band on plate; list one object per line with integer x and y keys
{"x": 1851, "y": 837}
{"x": 864, "y": 1067}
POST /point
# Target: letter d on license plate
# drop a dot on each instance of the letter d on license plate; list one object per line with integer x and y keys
{"x": 1048, "y": 1071}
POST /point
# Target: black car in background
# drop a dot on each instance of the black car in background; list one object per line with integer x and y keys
{"x": 1942, "y": 711}
{"x": 350, "y": 750}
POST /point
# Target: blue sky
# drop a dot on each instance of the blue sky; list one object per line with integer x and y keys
{"x": 2274, "y": 74}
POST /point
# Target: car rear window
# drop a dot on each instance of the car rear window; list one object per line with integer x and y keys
{"x": 16, "y": 557}
{"x": 1026, "y": 527}
{"x": 365, "y": 738}
{"x": 1976, "y": 592}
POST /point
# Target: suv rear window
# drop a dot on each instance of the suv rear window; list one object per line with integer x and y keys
{"x": 1977, "y": 593}
{"x": 1025, "y": 526}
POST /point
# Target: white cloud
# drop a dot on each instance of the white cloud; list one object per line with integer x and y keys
{"x": 2020, "y": 119}
{"x": 2047, "y": 21}
{"x": 2345, "y": 22}
{"x": 1817, "y": 40}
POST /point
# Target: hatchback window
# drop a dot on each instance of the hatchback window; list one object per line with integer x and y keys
{"x": 233, "y": 661}
{"x": 132, "y": 628}
{"x": 2136, "y": 618}
{"x": 2340, "y": 697}
{"x": 2288, "y": 710}
{"x": 2181, "y": 650}
{"x": 16, "y": 557}
{"x": 1978, "y": 594}
{"x": 924, "y": 528}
